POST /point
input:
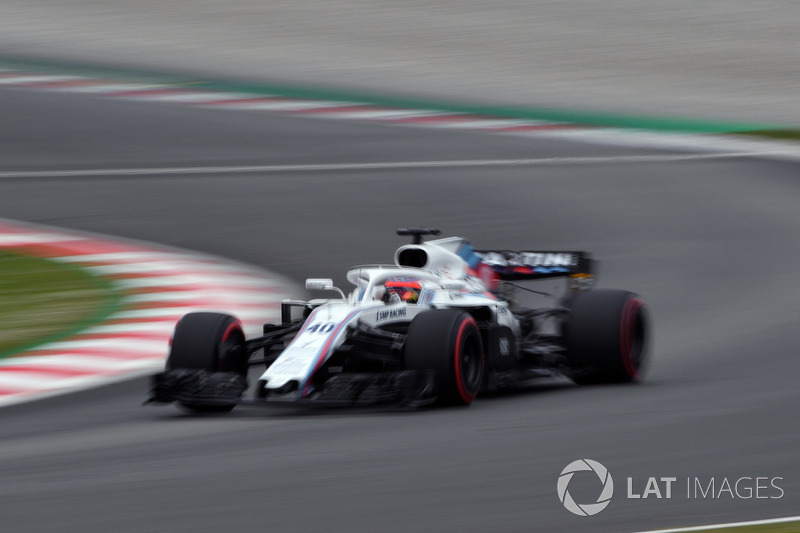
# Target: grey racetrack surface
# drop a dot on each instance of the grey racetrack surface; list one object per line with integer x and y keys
{"x": 712, "y": 245}
{"x": 724, "y": 59}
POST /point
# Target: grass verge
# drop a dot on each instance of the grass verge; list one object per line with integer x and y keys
{"x": 42, "y": 301}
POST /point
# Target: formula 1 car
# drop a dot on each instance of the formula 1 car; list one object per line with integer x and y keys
{"x": 439, "y": 325}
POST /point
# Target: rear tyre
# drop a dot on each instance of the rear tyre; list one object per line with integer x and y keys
{"x": 213, "y": 342}
{"x": 448, "y": 342}
{"x": 607, "y": 336}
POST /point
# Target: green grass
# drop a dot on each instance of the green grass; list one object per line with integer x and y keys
{"x": 43, "y": 301}
{"x": 779, "y": 134}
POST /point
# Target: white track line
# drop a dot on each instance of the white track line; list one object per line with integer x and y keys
{"x": 26, "y": 80}
{"x": 379, "y": 115}
{"x": 730, "y": 525}
{"x": 22, "y": 239}
{"x": 193, "y": 97}
{"x": 109, "y": 88}
{"x": 389, "y": 165}
{"x": 284, "y": 104}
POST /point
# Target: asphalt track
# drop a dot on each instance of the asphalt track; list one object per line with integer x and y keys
{"x": 711, "y": 244}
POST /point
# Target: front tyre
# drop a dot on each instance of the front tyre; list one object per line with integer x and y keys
{"x": 607, "y": 336}
{"x": 448, "y": 342}
{"x": 213, "y": 342}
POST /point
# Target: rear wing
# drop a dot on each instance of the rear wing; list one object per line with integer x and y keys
{"x": 536, "y": 265}
{"x": 496, "y": 266}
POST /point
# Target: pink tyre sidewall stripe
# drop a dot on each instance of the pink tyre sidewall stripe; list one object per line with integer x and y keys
{"x": 627, "y": 324}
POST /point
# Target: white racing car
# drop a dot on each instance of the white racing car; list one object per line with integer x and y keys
{"x": 439, "y": 325}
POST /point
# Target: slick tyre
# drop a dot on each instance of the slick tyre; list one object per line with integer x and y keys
{"x": 607, "y": 336}
{"x": 448, "y": 342}
{"x": 213, "y": 342}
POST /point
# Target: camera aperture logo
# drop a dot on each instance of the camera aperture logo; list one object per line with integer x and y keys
{"x": 585, "y": 509}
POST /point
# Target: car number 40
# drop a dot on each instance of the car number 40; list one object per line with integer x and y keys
{"x": 321, "y": 327}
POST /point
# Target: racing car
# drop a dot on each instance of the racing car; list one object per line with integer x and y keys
{"x": 439, "y": 325}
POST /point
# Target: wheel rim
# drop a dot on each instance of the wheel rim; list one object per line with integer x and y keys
{"x": 231, "y": 342}
{"x": 638, "y": 339}
{"x": 469, "y": 361}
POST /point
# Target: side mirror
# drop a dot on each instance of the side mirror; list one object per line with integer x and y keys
{"x": 454, "y": 285}
{"x": 320, "y": 284}
{"x": 323, "y": 284}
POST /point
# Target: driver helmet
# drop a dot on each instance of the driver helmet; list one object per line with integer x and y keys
{"x": 402, "y": 290}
